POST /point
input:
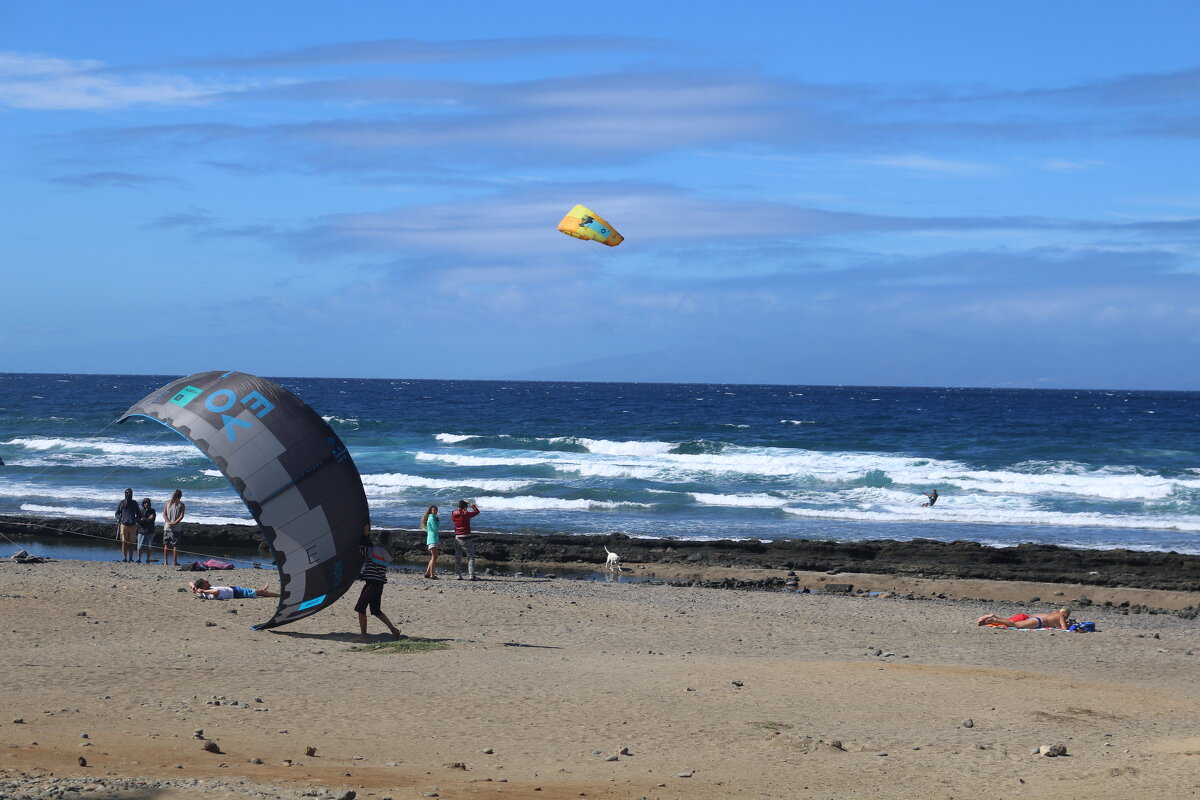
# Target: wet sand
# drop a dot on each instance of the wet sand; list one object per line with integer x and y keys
{"x": 713, "y": 693}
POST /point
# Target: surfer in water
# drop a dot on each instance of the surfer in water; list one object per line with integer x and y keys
{"x": 933, "y": 496}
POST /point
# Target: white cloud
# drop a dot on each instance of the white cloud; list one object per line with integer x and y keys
{"x": 927, "y": 164}
{"x": 1067, "y": 165}
{"x": 43, "y": 83}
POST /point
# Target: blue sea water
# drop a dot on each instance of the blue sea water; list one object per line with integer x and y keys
{"x": 1098, "y": 469}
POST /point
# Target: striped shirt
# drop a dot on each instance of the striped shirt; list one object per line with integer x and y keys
{"x": 372, "y": 570}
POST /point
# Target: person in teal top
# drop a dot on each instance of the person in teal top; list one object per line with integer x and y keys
{"x": 430, "y": 523}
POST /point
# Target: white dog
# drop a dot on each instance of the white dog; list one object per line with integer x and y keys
{"x": 613, "y": 561}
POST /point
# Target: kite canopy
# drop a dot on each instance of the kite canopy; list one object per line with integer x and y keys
{"x": 291, "y": 470}
{"x": 583, "y": 223}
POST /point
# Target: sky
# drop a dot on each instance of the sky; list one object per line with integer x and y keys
{"x": 871, "y": 193}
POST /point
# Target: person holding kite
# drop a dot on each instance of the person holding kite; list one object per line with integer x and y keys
{"x": 373, "y": 576}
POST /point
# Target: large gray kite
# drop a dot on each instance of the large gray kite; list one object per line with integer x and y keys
{"x": 290, "y": 468}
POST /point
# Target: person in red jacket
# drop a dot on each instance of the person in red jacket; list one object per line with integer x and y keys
{"x": 464, "y": 540}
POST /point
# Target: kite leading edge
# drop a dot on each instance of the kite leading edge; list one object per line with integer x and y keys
{"x": 291, "y": 470}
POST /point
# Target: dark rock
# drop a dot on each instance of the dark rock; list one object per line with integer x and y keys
{"x": 959, "y": 559}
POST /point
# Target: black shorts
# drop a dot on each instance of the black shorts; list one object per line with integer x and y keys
{"x": 372, "y": 593}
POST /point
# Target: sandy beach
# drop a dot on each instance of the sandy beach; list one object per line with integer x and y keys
{"x": 555, "y": 688}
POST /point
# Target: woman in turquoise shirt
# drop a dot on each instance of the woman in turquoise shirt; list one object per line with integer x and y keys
{"x": 430, "y": 523}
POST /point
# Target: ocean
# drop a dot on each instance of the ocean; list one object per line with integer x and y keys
{"x": 1094, "y": 469}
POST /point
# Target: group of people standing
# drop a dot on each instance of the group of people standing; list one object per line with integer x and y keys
{"x": 464, "y": 539}
{"x": 135, "y": 527}
{"x": 374, "y": 572}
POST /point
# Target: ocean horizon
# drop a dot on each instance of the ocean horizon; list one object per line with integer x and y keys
{"x": 1079, "y": 468}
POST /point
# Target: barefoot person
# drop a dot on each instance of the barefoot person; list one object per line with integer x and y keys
{"x": 145, "y": 535}
{"x": 933, "y": 496}
{"x": 374, "y": 576}
{"x": 464, "y": 540}
{"x": 173, "y": 526}
{"x": 432, "y": 540}
{"x": 1055, "y": 619}
{"x": 128, "y": 515}
{"x": 202, "y": 588}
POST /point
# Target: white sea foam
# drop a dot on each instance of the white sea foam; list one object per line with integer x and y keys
{"x": 392, "y": 482}
{"x": 91, "y": 445}
{"x": 739, "y": 500}
{"x": 105, "y": 514}
{"x": 596, "y": 446}
{"x": 946, "y": 512}
{"x": 529, "y": 503}
{"x": 565, "y": 463}
{"x": 41, "y": 452}
{"x": 611, "y": 448}
{"x": 463, "y": 460}
{"x": 1104, "y": 484}
{"x": 110, "y": 495}
{"x": 63, "y": 511}
{"x": 652, "y": 461}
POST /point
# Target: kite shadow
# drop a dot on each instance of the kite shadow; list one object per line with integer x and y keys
{"x": 352, "y": 638}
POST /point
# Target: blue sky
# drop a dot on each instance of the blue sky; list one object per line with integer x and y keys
{"x": 968, "y": 194}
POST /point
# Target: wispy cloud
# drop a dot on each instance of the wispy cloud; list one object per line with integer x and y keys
{"x": 417, "y": 51}
{"x": 702, "y": 235}
{"x": 106, "y": 179}
{"x": 616, "y": 117}
{"x": 918, "y": 163}
{"x": 37, "y": 82}
{"x": 193, "y": 219}
{"x": 1071, "y": 165}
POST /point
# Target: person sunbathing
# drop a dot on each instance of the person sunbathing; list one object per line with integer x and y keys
{"x": 207, "y": 591}
{"x": 1055, "y": 619}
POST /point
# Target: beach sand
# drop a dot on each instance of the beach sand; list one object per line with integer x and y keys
{"x": 697, "y": 692}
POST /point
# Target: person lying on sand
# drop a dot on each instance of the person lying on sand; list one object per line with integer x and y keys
{"x": 1055, "y": 619}
{"x": 206, "y": 590}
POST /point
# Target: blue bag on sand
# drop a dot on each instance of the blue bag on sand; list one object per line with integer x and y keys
{"x": 1083, "y": 627}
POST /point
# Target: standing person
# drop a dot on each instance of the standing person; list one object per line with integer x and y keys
{"x": 173, "y": 526}
{"x": 145, "y": 536}
{"x": 374, "y": 576}
{"x": 464, "y": 540}
{"x": 432, "y": 540}
{"x": 128, "y": 516}
{"x": 933, "y": 496}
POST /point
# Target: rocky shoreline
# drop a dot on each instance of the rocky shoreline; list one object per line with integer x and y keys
{"x": 923, "y": 558}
